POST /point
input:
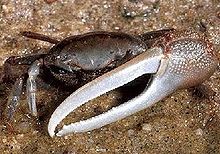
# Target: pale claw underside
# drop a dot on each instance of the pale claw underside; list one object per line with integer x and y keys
{"x": 147, "y": 62}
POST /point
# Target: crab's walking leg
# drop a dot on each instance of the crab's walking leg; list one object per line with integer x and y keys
{"x": 14, "y": 97}
{"x": 31, "y": 87}
{"x": 147, "y": 62}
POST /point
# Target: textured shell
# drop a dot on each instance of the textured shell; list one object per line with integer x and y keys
{"x": 192, "y": 57}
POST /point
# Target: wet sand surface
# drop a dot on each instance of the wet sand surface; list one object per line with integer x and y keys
{"x": 185, "y": 122}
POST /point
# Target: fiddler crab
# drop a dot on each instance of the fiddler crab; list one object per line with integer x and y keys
{"x": 98, "y": 62}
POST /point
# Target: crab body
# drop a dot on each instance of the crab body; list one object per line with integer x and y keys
{"x": 79, "y": 59}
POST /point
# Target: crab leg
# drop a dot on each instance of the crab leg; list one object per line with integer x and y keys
{"x": 38, "y": 36}
{"x": 147, "y": 62}
{"x": 14, "y": 97}
{"x": 31, "y": 87}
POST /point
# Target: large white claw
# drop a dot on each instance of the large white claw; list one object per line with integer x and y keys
{"x": 189, "y": 60}
{"x": 147, "y": 62}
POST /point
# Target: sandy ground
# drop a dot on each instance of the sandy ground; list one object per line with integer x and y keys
{"x": 185, "y": 122}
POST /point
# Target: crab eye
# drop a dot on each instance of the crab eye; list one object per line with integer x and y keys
{"x": 57, "y": 70}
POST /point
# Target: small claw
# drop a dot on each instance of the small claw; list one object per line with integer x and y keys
{"x": 147, "y": 62}
{"x": 31, "y": 87}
